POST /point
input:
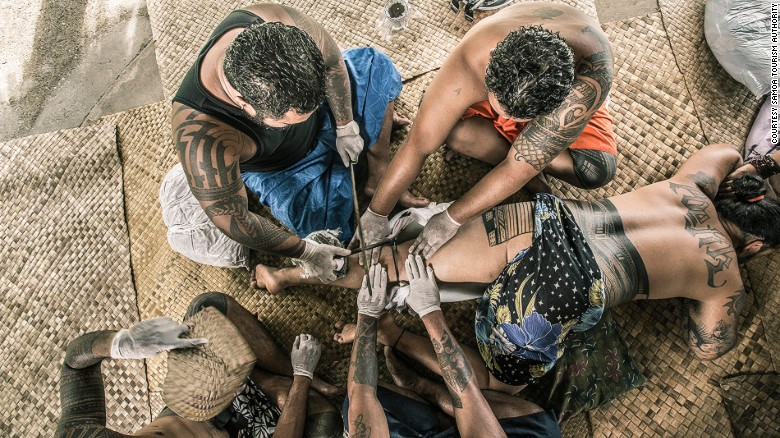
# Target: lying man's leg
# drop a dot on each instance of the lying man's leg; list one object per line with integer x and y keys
{"x": 270, "y": 357}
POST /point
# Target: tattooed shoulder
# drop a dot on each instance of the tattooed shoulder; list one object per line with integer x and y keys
{"x": 548, "y": 12}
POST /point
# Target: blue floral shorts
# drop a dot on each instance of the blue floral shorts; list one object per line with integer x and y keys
{"x": 550, "y": 288}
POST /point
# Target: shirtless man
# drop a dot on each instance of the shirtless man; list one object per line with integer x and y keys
{"x": 248, "y": 115}
{"x": 543, "y": 69}
{"x": 278, "y": 378}
{"x": 556, "y": 265}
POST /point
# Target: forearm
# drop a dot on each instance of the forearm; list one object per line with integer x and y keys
{"x": 401, "y": 173}
{"x": 500, "y": 183}
{"x": 293, "y": 419}
{"x": 461, "y": 382}
{"x": 233, "y": 218}
{"x": 363, "y": 362}
{"x": 89, "y": 349}
{"x": 339, "y": 93}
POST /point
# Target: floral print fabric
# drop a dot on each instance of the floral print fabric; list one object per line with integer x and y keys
{"x": 551, "y": 288}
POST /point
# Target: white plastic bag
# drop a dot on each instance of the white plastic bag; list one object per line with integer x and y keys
{"x": 738, "y": 33}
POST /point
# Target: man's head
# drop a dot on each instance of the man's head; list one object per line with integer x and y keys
{"x": 754, "y": 214}
{"x": 278, "y": 70}
{"x": 530, "y": 72}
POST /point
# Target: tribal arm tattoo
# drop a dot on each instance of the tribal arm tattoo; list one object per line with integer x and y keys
{"x": 363, "y": 367}
{"x": 209, "y": 154}
{"x": 455, "y": 367}
{"x": 622, "y": 268}
{"x": 717, "y": 247}
{"x": 338, "y": 91}
{"x": 709, "y": 340}
{"x": 82, "y": 395}
{"x": 547, "y": 136}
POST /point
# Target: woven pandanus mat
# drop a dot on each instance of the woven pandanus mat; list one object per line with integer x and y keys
{"x": 725, "y": 107}
{"x": 681, "y": 397}
{"x": 64, "y": 271}
{"x": 180, "y": 28}
{"x": 753, "y": 404}
{"x": 764, "y": 275}
{"x": 655, "y": 121}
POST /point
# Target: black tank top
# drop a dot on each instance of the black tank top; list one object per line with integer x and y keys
{"x": 277, "y": 148}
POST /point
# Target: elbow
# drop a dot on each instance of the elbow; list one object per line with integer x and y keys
{"x": 711, "y": 352}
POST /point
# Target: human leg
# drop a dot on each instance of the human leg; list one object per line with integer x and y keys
{"x": 585, "y": 168}
{"x": 478, "y": 138}
{"x": 270, "y": 356}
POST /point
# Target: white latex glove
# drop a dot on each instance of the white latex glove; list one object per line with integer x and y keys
{"x": 375, "y": 228}
{"x": 150, "y": 337}
{"x": 424, "y": 296}
{"x": 438, "y": 231}
{"x": 305, "y": 355}
{"x": 318, "y": 260}
{"x": 373, "y": 305}
{"x": 349, "y": 144}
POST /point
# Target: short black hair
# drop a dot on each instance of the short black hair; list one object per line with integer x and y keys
{"x": 276, "y": 68}
{"x": 749, "y": 212}
{"x": 530, "y": 71}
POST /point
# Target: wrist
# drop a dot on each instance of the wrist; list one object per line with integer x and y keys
{"x": 765, "y": 165}
{"x": 372, "y": 213}
{"x": 452, "y": 219}
{"x": 349, "y": 128}
{"x": 301, "y": 379}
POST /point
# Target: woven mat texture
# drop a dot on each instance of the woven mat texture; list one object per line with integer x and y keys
{"x": 64, "y": 271}
{"x": 764, "y": 276}
{"x": 180, "y": 28}
{"x": 753, "y": 404}
{"x": 725, "y": 107}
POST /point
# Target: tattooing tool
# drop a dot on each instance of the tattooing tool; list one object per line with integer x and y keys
{"x": 359, "y": 226}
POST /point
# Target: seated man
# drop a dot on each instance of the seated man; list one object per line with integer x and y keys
{"x": 399, "y": 410}
{"x": 269, "y": 388}
{"x": 251, "y": 108}
{"x": 535, "y": 77}
{"x": 556, "y": 265}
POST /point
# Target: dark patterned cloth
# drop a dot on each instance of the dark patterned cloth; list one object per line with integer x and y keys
{"x": 547, "y": 290}
{"x": 251, "y": 415}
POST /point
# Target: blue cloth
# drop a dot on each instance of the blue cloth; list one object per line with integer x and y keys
{"x": 407, "y": 418}
{"x": 316, "y": 192}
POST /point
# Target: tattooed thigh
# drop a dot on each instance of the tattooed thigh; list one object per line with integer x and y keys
{"x": 593, "y": 168}
{"x": 507, "y": 221}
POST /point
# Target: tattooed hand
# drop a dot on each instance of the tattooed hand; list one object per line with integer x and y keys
{"x": 374, "y": 303}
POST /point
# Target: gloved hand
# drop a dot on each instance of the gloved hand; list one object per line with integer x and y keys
{"x": 349, "y": 144}
{"x": 438, "y": 231}
{"x": 150, "y": 337}
{"x": 373, "y": 305}
{"x": 375, "y": 228}
{"x": 318, "y": 260}
{"x": 424, "y": 296}
{"x": 305, "y": 355}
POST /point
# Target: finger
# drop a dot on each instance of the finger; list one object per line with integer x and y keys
{"x": 417, "y": 242}
{"x": 297, "y": 342}
{"x": 430, "y": 272}
{"x": 344, "y": 156}
{"x": 341, "y": 251}
{"x": 364, "y": 286}
{"x": 411, "y": 268}
{"x": 197, "y": 341}
{"x": 185, "y": 343}
{"x": 182, "y": 329}
{"x": 428, "y": 251}
{"x": 420, "y": 261}
{"x": 383, "y": 279}
{"x": 375, "y": 254}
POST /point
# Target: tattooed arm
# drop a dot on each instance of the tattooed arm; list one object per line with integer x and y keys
{"x": 366, "y": 417}
{"x": 209, "y": 152}
{"x": 472, "y": 412}
{"x": 82, "y": 394}
{"x": 338, "y": 91}
{"x": 708, "y": 167}
{"x": 712, "y": 324}
{"x": 545, "y": 137}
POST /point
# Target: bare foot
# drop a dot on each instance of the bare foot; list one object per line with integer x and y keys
{"x": 449, "y": 154}
{"x": 264, "y": 277}
{"x": 399, "y": 120}
{"x": 328, "y": 389}
{"x": 387, "y": 330}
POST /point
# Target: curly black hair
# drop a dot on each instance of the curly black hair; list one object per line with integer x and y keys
{"x": 276, "y": 68}
{"x": 530, "y": 71}
{"x": 749, "y": 211}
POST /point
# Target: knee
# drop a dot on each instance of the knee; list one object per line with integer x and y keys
{"x": 457, "y": 138}
{"x": 324, "y": 425}
{"x": 593, "y": 168}
{"x": 217, "y": 300}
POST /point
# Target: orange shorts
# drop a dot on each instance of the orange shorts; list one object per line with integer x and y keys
{"x": 597, "y": 135}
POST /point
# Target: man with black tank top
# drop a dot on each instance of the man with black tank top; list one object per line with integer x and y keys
{"x": 272, "y": 105}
